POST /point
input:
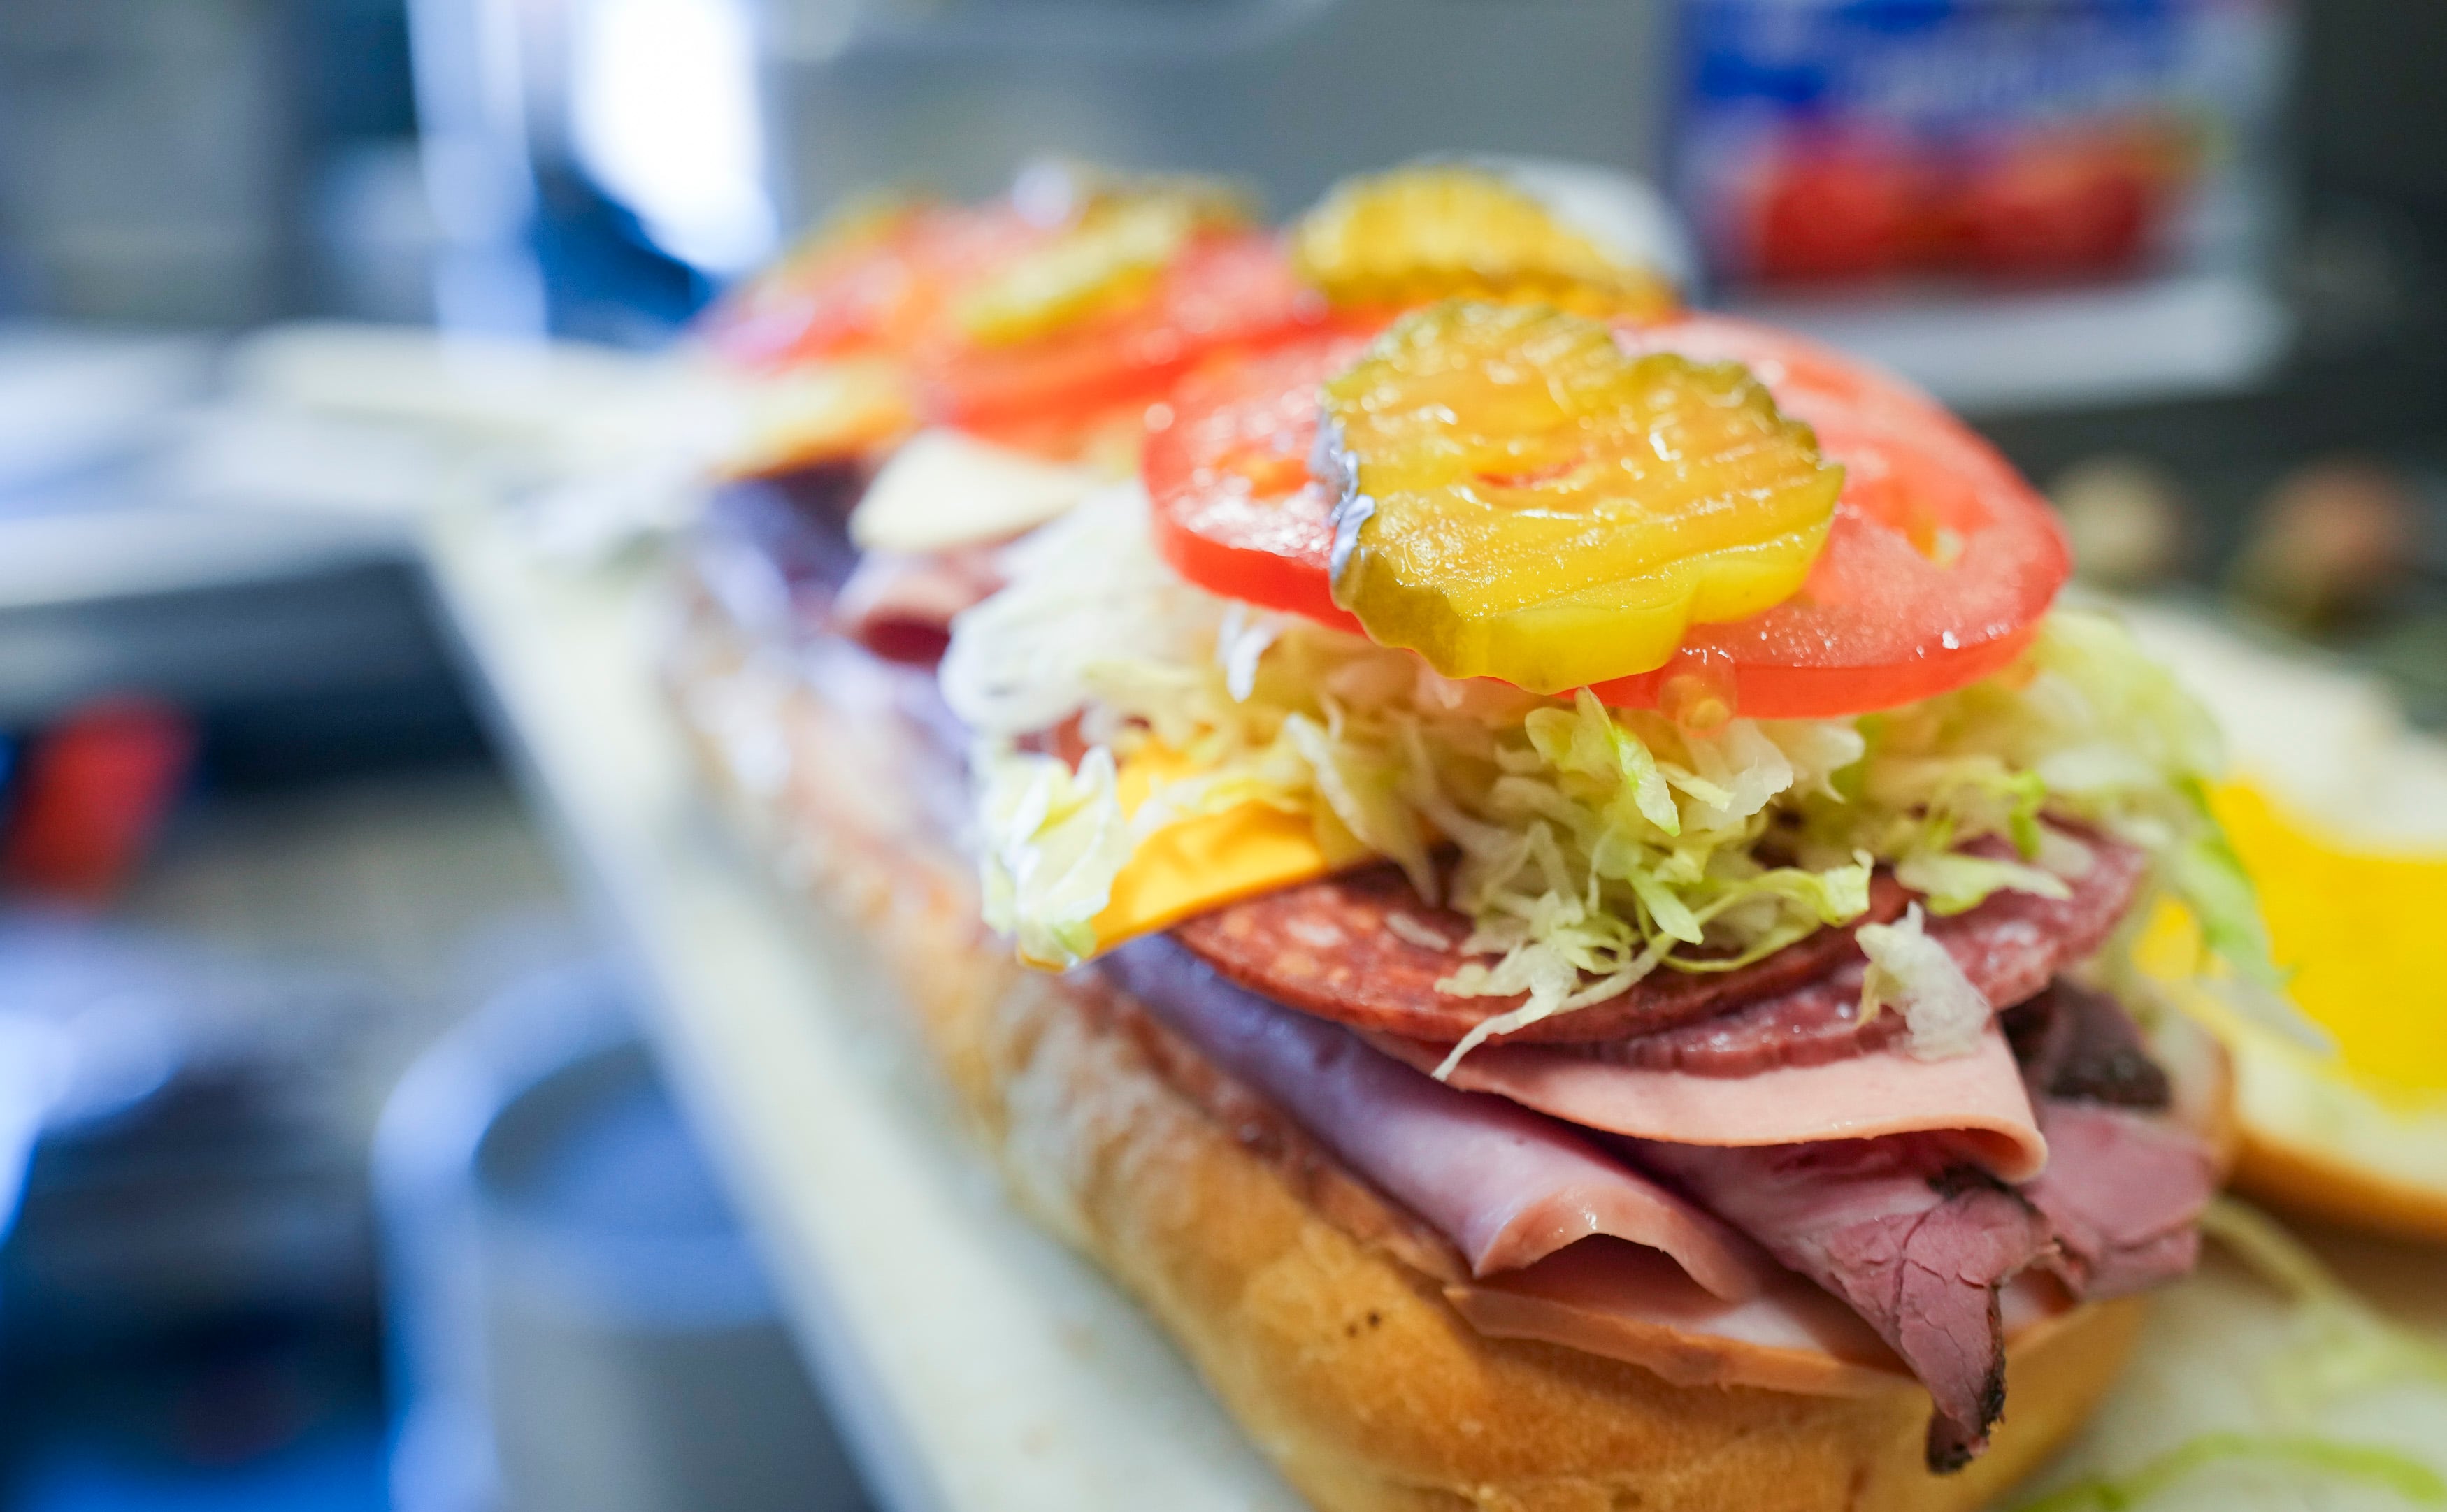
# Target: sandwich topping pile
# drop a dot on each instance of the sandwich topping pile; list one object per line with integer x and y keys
{"x": 1619, "y": 782}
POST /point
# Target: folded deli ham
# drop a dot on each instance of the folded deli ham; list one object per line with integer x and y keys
{"x": 1327, "y": 948}
{"x": 901, "y": 608}
{"x": 1978, "y": 1099}
{"x": 1505, "y": 1184}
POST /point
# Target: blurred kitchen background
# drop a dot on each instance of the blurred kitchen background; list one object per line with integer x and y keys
{"x": 336, "y": 1176}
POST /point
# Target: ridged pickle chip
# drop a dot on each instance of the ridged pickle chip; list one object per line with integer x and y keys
{"x": 1107, "y": 259}
{"x": 1444, "y": 231}
{"x": 1520, "y": 497}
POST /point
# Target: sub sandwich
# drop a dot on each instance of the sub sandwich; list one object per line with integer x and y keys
{"x": 1548, "y": 884}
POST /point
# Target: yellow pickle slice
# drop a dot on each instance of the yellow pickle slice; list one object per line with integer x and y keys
{"x": 1119, "y": 243}
{"x": 1520, "y": 497}
{"x": 1437, "y": 231}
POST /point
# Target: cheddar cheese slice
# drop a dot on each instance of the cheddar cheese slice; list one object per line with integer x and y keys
{"x": 1206, "y": 861}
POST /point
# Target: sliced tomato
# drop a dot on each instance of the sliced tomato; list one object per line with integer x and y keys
{"x": 1226, "y": 292}
{"x": 1940, "y": 563}
{"x": 879, "y": 293}
{"x": 1235, "y": 511}
{"x": 1081, "y": 389}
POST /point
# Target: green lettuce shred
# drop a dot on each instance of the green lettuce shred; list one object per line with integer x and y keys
{"x": 2384, "y": 1469}
{"x": 2343, "y": 1345}
{"x": 2204, "y": 870}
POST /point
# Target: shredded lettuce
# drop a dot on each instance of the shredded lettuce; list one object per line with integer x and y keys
{"x": 2206, "y": 872}
{"x": 2343, "y": 1346}
{"x": 1055, "y": 840}
{"x": 1944, "y": 1013}
{"x": 2368, "y": 1465}
{"x": 1588, "y": 846}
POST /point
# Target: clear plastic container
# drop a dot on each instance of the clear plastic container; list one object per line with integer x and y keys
{"x": 2011, "y": 198}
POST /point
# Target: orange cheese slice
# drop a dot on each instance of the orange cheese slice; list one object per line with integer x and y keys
{"x": 1202, "y": 862}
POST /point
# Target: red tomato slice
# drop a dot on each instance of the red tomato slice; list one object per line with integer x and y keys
{"x": 1226, "y": 292}
{"x": 1940, "y": 563}
{"x": 879, "y": 294}
{"x": 1066, "y": 393}
{"x": 1235, "y": 511}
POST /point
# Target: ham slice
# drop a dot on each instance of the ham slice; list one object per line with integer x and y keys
{"x": 1508, "y": 1186}
{"x": 1924, "y": 1264}
{"x": 1631, "y": 1304}
{"x": 1625, "y": 1303}
{"x": 901, "y": 608}
{"x": 1978, "y": 1100}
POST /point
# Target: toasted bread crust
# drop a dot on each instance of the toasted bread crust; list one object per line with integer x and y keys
{"x": 1339, "y": 1357}
{"x": 2299, "y": 1178}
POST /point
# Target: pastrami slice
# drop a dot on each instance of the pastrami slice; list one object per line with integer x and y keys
{"x": 2124, "y": 1194}
{"x": 1915, "y": 1241}
{"x": 2126, "y": 1182}
{"x": 2076, "y": 1042}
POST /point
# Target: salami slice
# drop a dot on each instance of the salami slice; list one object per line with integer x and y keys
{"x": 1334, "y": 948}
{"x": 1361, "y": 949}
{"x": 2009, "y": 947}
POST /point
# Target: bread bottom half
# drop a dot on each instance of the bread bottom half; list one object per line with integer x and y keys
{"x": 1342, "y": 1361}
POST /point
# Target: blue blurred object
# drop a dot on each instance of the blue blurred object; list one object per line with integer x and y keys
{"x": 122, "y": 1050}
{"x": 576, "y": 1320}
{"x": 186, "y": 1301}
{"x": 335, "y": 1471}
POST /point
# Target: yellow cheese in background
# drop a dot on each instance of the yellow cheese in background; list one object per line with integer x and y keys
{"x": 1185, "y": 869}
{"x": 2362, "y": 932}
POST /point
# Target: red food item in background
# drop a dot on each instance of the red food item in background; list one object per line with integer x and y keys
{"x": 2058, "y": 203}
{"x": 2068, "y": 206}
{"x": 1833, "y": 211}
{"x": 1940, "y": 560}
{"x": 94, "y": 792}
